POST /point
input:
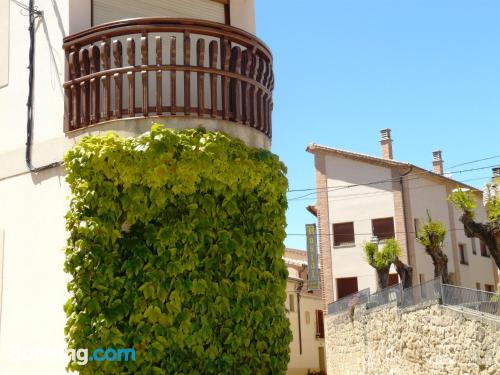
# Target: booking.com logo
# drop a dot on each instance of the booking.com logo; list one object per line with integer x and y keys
{"x": 81, "y": 356}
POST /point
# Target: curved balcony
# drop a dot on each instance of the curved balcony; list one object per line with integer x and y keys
{"x": 167, "y": 67}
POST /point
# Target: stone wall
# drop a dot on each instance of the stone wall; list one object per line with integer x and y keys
{"x": 428, "y": 339}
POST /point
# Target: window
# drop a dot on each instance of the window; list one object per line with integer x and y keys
{"x": 489, "y": 288}
{"x": 393, "y": 279}
{"x": 463, "y": 254}
{"x": 484, "y": 250}
{"x": 346, "y": 286}
{"x": 383, "y": 229}
{"x": 343, "y": 234}
{"x": 478, "y": 286}
{"x": 4, "y": 42}
{"x": 473, "y": 245}
{"x": 308, "y": 317}
{"x": 291, "y": 302}
{"x": 320, "y": 325}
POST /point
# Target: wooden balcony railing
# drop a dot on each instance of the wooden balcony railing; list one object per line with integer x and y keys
{"x": 167, "y": 67}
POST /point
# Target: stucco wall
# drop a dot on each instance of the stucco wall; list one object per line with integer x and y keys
{"x": 309, "y": 359}
{"x": 429, "y": 340}
{"x": 359, "y": 204}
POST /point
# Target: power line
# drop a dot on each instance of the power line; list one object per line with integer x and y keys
{"x": 366, "y": 234}
{"x": 345, "y": 197}
{"x": 474, "y": 161}
{"x": 412, "y": 177}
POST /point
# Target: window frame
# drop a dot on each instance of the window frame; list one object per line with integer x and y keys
{"x": 385, "y": 235}
{"x": 346, "y": 243}
{"x": 462, "y": 251}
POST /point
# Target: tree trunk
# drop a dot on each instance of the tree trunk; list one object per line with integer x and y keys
{"x": 382, "y": 278}
{"x": 440, "y": 261}
{"x": 405, "y": 273}
{"x": 489, "y": 233}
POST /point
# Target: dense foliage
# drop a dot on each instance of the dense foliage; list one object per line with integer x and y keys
{"x": 488, "y": 232}
{"x": 382, "y": 259}
{"x": 431, "y": 236}
{"x": 175, "y": 249}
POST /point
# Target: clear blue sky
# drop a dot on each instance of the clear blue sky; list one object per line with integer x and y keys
{"x": 427, "y": 69}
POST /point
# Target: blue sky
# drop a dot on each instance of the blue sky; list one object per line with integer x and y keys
{"x": 427, "y": 69}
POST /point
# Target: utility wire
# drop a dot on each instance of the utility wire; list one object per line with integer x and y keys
{"x": 412, "y": 177}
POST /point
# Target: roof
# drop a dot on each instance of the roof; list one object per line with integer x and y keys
{"x": 390, "y": 163}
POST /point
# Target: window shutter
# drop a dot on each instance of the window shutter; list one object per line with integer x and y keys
{"x": 320, "y": 326}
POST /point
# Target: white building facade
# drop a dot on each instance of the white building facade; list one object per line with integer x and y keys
{"x": 362, "y": 197}
{"x": 80, "y": 67}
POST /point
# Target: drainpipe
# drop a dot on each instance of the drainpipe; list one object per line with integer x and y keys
{"x": 33, "y": 14}
{"x": 403, "y": 202}
{"x": 298, "y": 290}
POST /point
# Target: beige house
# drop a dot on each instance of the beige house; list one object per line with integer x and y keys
{"x": 100, "y": 65}
{"x": 360, "y": 197}
{"x": 305, "y": 311}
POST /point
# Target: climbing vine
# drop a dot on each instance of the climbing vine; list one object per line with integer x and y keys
{"x": 175, "y": 249}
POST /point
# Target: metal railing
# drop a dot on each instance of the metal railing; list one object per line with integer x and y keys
{"x": 432, "y": 290}
{"x": 385, "y": 296}
{"x": 346, "y": 302}
{"x": 478, "y": 300}
{"x": 427, "y": 291}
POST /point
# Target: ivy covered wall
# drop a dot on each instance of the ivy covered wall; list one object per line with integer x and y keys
{"x": 175, "y": 250}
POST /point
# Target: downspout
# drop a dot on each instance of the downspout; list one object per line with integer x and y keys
{"x": 403, "y": 202}
{"x": 33, "y": 14}
{"x": 298, "y": 291}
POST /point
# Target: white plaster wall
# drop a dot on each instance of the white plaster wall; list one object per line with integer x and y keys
{"x": 426, "y": 194}
{"x": 49, "y": 75}
{"x": 4, "y": 42}
{"x": 309, "y": 359}
{"x": 242, "y": 15}
{"x": 34, "y": 283}
{"x": 480, "y": 269}
{"x": 359, "y": 204}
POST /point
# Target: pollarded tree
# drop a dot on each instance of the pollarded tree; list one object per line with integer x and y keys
{"x": 431, "y": 235}
{"x": 405, "y": 273}
{"x": 488, "y": 232}
{"x": 382, "y": 259}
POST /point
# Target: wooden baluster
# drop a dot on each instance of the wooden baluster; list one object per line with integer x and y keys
{"x": 159, "y": 109}
{"x": 253, "y": 90}
{"x": 118, "y": 55}
{"x": 246, "y": 65}
{"x": 235, "y": 96}
{"x": 265, "y": 97}
{"x": 144, "y": 75}
{"x": 200, "y": 56}
{"x": 74, "y": 69}
{"x": 95, "y": 104}
{"x": 213, "y": 50}
{"x": 173, "y": 76}
{"x": 106, "y": 80}
{"x": 68, "y": 105}
{"x": 85, "y": 86}
{"x": 257, "y": 93}
{"x": 225, "y": 59}
{"x": 187, "y": 73}
{"x": 131, "y": 76}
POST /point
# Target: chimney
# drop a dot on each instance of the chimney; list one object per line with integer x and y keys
{"x": 496, "y": 172}
{"x": 437, "y": 162}
{"x": 386, "y": 143}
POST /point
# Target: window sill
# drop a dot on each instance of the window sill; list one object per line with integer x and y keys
{"x": 344, "y": 246}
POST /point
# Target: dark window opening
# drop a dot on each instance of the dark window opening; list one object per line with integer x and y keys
{"x": 320, "y": 325}
{"x": 463, "y": 254}
{"x": 489, "y": 288}
{"x": 484, "y": 250}
{"x": 393, "y": 279}
{"x": 343, "y": 234}
{"x": 346, "y": 286}
{"x": 383, "y": 229}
